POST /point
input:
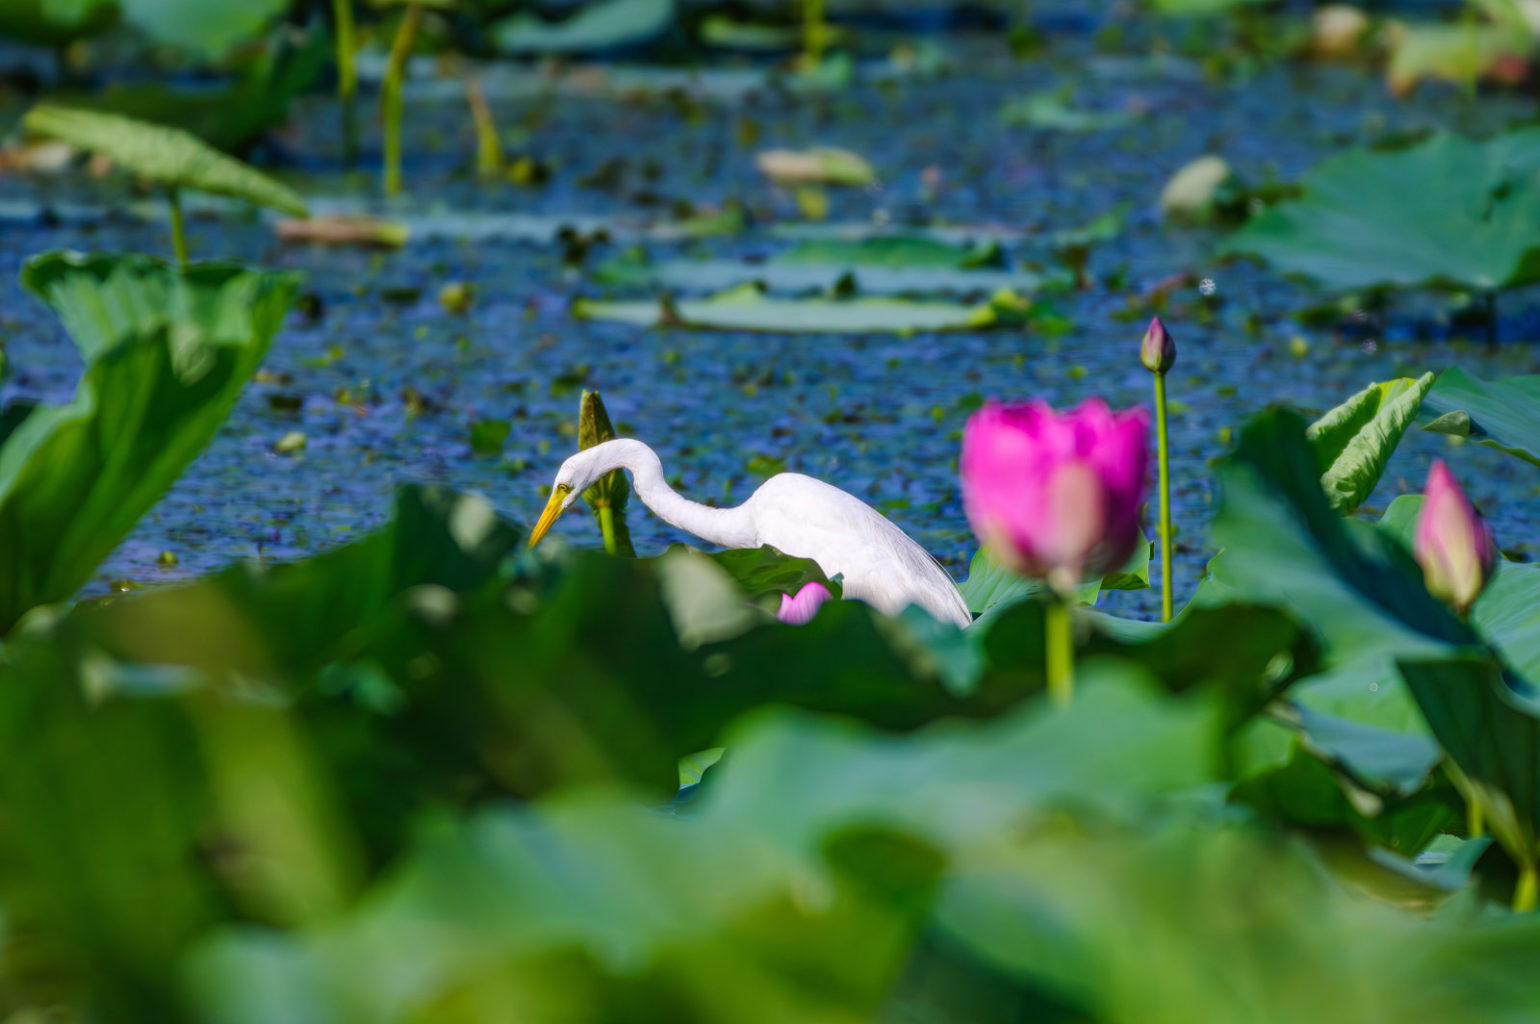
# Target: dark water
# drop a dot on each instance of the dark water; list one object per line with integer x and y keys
{"x": 388, "y": 383}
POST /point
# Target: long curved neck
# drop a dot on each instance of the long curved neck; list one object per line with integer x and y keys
{"x": 726, "y": 527}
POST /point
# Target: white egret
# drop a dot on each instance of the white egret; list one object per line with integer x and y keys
{"x": 795, "y": 514}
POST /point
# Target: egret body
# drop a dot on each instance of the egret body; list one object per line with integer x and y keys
{"x": 795, "y": 514}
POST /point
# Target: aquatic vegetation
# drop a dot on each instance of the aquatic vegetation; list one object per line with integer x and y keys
{"x": 168, "y": 157}
{"x": 406, "y": 766}
{"x": 1500, "y": 413}
{"x": 749, "y": 308}
{"x": 591, "y": 28}
{"x": 1353, "y": 228}
{"x": 166, "y": 353}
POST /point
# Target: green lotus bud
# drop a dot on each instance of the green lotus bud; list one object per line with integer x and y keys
{"x": 1158, "y": 351}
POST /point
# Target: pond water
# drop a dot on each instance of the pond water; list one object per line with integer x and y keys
{"x": 384, "y": 383}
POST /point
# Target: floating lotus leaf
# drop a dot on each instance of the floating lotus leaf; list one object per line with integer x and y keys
{"x": 748, "y": 308}
{"x": 1447, "y": 212}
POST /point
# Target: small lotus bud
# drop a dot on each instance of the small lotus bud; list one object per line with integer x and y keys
{"x": 1158, "y": 351}
{"x": 1453, "y": 546}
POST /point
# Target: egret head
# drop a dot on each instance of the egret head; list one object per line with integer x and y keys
{"x": 574, "y": 477}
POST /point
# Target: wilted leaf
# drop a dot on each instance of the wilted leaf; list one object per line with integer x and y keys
{"x": 818, "y": 166}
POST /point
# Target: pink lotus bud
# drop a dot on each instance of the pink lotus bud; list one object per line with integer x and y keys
{"x": 1453, "y": 546}
{"x": 796, "y": 611}
{"x": 1055, "y": 496}
{"x": 1158, "y": 350}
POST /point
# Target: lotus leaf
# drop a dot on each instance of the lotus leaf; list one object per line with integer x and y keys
{"x": 166, "y": 355}
{"x": 1352, "y": 228}
{"x": 1501, "y": 413}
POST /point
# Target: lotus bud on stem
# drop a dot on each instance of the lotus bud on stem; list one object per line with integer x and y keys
{"x": 1457, "y": 555}
{"x": 178, "y": 226}
{"x": 395, "y": 72}
{"x": 607, "y": 497}
{"x": 1158, "y": 354}
{"x": 1452, "y": 544}
{"x": 1055, "y": 496}
{"x": 347, "y": 75}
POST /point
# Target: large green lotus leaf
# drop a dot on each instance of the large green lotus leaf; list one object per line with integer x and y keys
{"x": 166, "y": 156}
{"x": 1354, "y": 441}
{"x": 166, "y": 354}
{"x": 1503, "y": 414}
{"x": 1130, "y": 926}
{"x": 1353, "y": 227}
{"x": 748, "y": 308}
{"x": 801, "y": 807}
{"x": 208, "y": 30}
{"x": 607, "y": 25}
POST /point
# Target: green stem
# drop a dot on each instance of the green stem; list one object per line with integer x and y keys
{"x": 1528, "y": 889}
{"x": 1059, "y": 641}
{"x": 1475, "y": 823}
{"x": 1164, "y": 455}
{"x": 812, "y": 33}
{"x": 347, "y": 75}
{"x": 395, "y": 71}
{"x": 607, "y": 527}
{"x": 178, "y": 228}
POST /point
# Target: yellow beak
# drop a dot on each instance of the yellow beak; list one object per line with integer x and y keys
{"x": 552, "y": 511}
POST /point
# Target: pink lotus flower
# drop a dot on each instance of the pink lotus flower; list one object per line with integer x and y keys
{"x": 1056, "y": 496}
{"x": 1453, "y": 546}
{"x": 799, "y": 610}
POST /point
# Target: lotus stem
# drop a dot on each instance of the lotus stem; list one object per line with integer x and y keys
{"x": 1475, "y": 821}
{"x": 395, "y": 71}
{"x": 489, "y": 149}
{"x": 1059, "y": 643}
{"x": 607, "y": 527}
{"x": 1527, "y": 891}
{"x": 178, "y": 227}
{"x": 347, "y": 75}
{"x": 813, "y": 32}
{"x": 1164, "y": 457}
